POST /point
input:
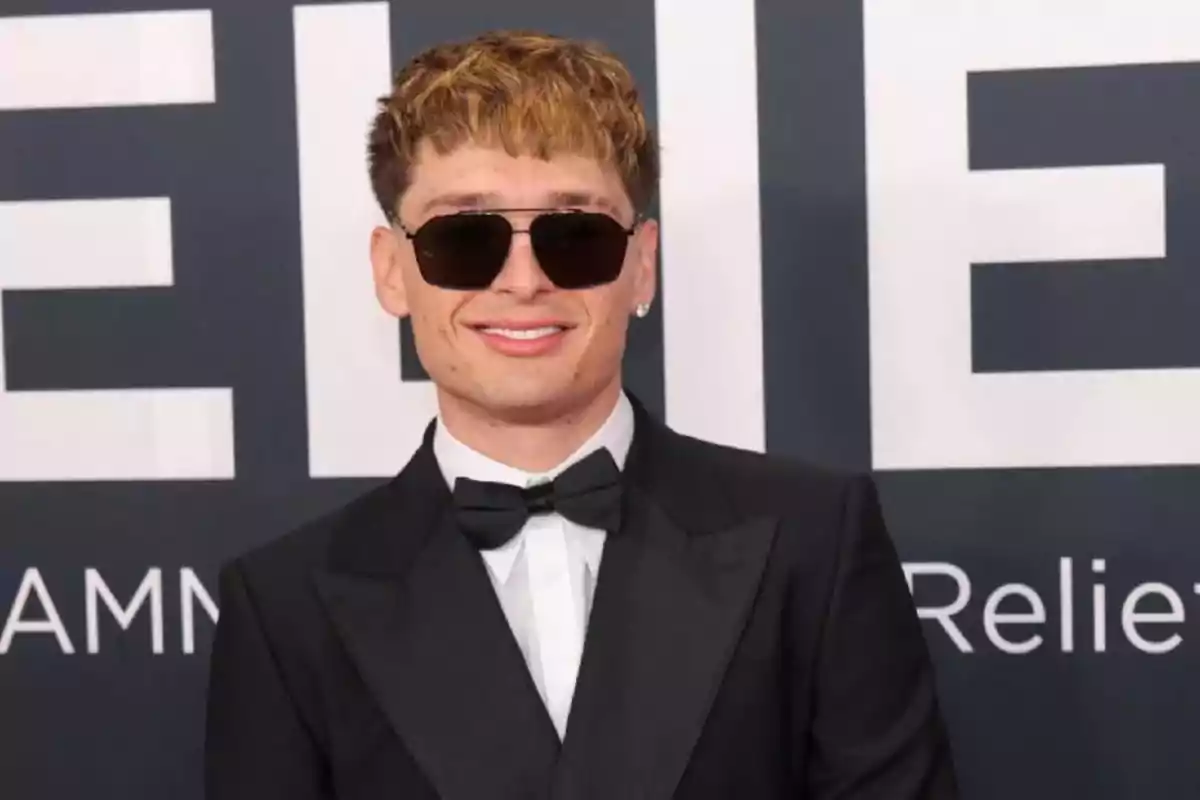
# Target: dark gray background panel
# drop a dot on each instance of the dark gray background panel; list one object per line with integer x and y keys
{"x": 127, "y": 723}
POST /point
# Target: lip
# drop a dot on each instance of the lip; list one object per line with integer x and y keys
{"x": 522, "y": 348}
{"x": 519, "y": 325}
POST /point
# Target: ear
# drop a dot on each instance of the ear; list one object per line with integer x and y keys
{"x": 386, "y": 262}
{"x": 645, "y": 282}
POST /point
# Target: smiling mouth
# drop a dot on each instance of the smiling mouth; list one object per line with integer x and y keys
{"x": 522, "y": 332}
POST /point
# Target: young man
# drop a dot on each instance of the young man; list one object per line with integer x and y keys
{"x": 558, "y": 596}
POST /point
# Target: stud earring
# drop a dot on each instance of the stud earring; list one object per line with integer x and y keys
{"x": 642, "y": 309}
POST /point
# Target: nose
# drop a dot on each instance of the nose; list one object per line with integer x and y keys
{"x": 521, "y": 275}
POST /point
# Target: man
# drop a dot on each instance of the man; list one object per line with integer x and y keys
{"x": 558, "y": 596}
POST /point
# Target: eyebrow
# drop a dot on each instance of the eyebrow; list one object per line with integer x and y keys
{"x": 460, "y": 200}
{"x": 576, "y": 199}
{"x": 482, "y": 200}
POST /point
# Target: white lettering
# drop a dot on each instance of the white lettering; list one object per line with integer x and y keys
{"x": 1131, "y": 618}
{"x": 113, "y": 434}
{"x": 1066, "y": 596}
{"x": 31, "y": 584}
{"x": 992, "y": 619}
{"x": 150, "y": 590}
{"x": 944, "y": 614}
{"x": 930, "y": 218}
{"x": 713, "y": 271}
{"x": 149, "y": 58}
{"x": 192, "y": 590}
{"x": 363, "y": 420}
{"x": 1099, "y": 610}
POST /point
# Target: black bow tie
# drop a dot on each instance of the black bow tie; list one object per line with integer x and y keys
{"x": 587, "y": 493}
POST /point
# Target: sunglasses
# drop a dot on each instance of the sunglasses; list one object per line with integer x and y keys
{"x": 467, "y": 250}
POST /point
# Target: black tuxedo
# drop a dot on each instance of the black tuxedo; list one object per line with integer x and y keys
{"x": 752, "y": 637}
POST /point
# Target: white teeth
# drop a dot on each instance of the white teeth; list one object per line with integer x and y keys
{"x": 524, "y": 333}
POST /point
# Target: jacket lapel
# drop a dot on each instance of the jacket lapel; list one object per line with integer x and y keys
{"x": 671, "y": 601}
{"x": 413, "y": 603}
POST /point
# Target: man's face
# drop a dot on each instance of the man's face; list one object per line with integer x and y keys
{"x": 522, "y": 348}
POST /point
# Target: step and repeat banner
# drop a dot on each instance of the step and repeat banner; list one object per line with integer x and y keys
{"x": 955, "y": 241}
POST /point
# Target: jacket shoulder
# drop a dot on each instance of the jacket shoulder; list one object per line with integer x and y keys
{"x": 298, "y": 551}
{"x": 764, "y": 483}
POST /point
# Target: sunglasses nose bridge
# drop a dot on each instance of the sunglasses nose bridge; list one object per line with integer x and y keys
{"x": 521, "y": 273}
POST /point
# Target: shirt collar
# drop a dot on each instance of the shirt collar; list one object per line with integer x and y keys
{"x": 457, "y": 460}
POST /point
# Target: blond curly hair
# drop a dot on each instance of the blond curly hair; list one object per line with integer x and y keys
{"x": 530, "y": 93}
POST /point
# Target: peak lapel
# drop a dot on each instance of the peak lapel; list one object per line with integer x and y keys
{"x": 419, "y": 616}
{"x": 670, "y": 606}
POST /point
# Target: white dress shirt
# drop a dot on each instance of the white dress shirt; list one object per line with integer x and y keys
{"x": 545, "y": 577}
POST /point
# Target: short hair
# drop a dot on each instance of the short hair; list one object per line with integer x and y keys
{"x": 530, "y": 93}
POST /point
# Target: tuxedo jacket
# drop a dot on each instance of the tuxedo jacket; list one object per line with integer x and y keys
{"x": 752, "y": 636}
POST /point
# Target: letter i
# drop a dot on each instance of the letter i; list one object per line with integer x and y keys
{"x": 1066, "y": 591}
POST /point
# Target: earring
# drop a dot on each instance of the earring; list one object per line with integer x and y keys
{"x": 642, "y": 309}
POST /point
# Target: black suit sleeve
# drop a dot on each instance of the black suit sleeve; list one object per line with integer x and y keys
{"x": 257, "y": 746}
{"x": 877, "y": 730}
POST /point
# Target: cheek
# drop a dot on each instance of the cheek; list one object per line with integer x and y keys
{"x": 609, "y": 321}
{"x": 433, "y": 322}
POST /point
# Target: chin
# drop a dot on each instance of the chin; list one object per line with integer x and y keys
{"x": 528, "y": 404}
{"x": 525, "y": 400}
{"x": 524, "y": 392}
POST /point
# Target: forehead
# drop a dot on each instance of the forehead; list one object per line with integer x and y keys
{"x": 476, "y": 176}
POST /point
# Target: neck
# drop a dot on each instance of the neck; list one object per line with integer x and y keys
{"x": 527, "y": 440}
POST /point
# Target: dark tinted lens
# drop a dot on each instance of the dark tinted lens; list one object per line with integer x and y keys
{"x": 462, "y": 251}
{"x": 579, "y": 249}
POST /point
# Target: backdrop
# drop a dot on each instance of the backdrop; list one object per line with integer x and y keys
{"x": 951, "y": 240}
